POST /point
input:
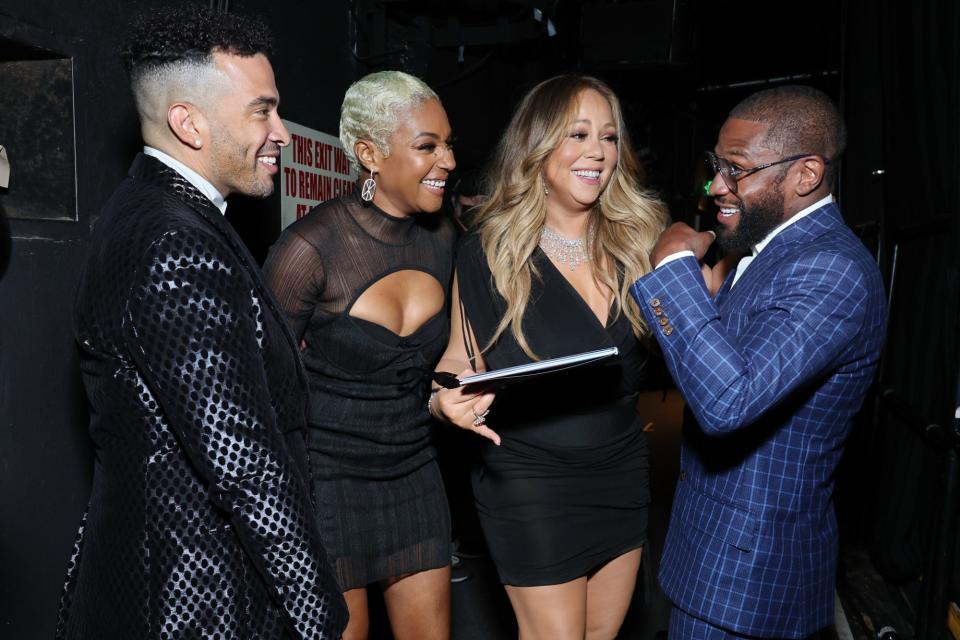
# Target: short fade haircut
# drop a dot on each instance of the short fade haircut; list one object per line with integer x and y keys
{"x": 802, "y": 120}
{"x": 168, "y": 53}
{"x": 374, "y": 106}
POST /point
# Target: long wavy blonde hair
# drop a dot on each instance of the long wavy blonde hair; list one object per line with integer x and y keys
{"x": 624, "y": 222}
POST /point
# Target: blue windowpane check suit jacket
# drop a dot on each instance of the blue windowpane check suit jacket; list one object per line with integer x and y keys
{"x": 772, "y": 371}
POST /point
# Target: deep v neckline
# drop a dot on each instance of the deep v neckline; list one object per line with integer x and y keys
{"x": 584, "y": 305}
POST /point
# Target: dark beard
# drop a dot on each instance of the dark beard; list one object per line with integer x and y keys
{"x": 756, "y": 222}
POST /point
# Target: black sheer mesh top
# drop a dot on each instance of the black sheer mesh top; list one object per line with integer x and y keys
{"x": 324, "y": 261}
{"x": 318, "y": 269}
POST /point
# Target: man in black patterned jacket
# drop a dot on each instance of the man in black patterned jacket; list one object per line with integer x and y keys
{"x": 200, "y": 523}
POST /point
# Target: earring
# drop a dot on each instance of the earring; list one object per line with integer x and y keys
{"x": 546, "y": 191}
{"x": 369, "y": 188}
{"x": 197, "y": 142}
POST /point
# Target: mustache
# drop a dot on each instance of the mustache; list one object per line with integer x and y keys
{"x": 271, "y": 148}
{"x": 737, "y": 202}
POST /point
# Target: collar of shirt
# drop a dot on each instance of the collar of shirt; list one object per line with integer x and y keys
{"x": 760, "y": 246}
{"x": 190, "y": 176}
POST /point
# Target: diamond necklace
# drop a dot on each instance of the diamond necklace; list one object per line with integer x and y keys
{"x": 566, "y": 251}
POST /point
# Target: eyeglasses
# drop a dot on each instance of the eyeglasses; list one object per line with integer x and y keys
{"x": 732, "y": 174}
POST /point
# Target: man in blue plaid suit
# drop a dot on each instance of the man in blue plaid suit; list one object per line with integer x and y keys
{"x": 772, "y": 369}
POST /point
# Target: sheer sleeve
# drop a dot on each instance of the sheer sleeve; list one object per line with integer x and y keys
{"x": 294, "y": 272}
{"x": 484, "y": 306}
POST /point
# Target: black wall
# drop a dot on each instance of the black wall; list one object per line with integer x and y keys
{"x": 895, "y": 71}
{"x": 45, "y": 453}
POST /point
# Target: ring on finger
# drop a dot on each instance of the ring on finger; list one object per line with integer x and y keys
{"x": 479, "y": 420}
{"x": 480, "y": 415}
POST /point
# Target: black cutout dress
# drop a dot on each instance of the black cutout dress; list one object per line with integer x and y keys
{"x": 380, "y": 499}
{"x": 568, "y": 488}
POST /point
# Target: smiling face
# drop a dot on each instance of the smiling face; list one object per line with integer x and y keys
{"x": 412, "y": 178}
{"x": 578, "y": 170}
{"x": 245, "y": 130}
{"x": 748, "y": 216}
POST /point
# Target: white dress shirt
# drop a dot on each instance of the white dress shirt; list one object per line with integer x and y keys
{"x": 191, "y": 176}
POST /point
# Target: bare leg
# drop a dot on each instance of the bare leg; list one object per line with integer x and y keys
{"x": 609, "y": 592}
{"x": 358, "y": 628}
{"x": 419, "y": 605}
{"x": 552, "y": 612}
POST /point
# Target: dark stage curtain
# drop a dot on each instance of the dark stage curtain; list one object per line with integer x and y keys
{"x": 900, "y": 78}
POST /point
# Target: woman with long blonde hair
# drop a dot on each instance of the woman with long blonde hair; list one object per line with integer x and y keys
{"x": 562, "y": 487}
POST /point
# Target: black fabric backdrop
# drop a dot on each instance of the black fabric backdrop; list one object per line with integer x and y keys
{"x": 901, "y": 90}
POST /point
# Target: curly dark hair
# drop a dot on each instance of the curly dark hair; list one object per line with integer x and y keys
{"x": 165, "y": 35}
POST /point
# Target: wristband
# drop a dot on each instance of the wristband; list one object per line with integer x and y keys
{"x": 433, "y": 394}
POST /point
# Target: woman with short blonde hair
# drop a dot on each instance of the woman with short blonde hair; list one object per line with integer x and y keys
{"x": 363, "y": 280}
{"x": 567, "y": 228}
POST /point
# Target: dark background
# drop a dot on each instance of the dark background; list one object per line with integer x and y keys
{"x": 678, "y": 66}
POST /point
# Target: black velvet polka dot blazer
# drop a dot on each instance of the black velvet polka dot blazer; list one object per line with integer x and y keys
{"x": 200, "y": 522}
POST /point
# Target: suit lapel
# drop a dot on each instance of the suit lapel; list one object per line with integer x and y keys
{"x": 157, "y": 173}
{"x": 819, "y": 222}
{"x": 823, "y": 220}
{"x": 725, "y": 288}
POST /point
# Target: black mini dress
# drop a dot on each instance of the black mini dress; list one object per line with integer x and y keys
{"x": 568, "y": 488}
{"x": 380, "y": 499}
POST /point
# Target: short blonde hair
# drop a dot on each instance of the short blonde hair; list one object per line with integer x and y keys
{"x": 373, "y": 106}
